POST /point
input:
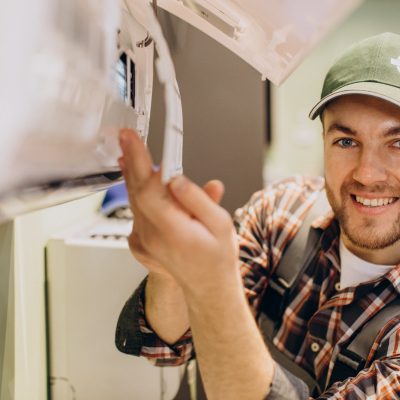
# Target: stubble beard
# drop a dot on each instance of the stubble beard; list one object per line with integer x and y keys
{"x": 365, "y": 234}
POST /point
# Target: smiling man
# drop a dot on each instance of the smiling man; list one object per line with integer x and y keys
{"x": 199, "y": 268}
{"x": 362, "y": 159}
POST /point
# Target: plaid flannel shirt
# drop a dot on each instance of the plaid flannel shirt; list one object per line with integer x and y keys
{"x": 320, "y": 318}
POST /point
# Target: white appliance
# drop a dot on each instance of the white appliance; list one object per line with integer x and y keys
{"x": 74, "y": 72}
{"x": 273, "y": 36}
{"x": 69, "y": 82}
{"x": 90, "y": 275}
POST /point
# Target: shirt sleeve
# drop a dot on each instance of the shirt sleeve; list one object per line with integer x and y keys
{"x": 266, "y": 225}
{"x": 254, "y": 225}
{"x": 380, "y": 381}
{"x": 286, "y": 386}
{"x": 134, "y": 335}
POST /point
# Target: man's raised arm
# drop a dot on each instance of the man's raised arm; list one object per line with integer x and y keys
{"x": 165, "y": 306}
{"x": 193, "y": 238}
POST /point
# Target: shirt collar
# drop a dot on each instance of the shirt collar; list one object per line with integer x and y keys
{"x": 393, "y": 276}
{"x": 329, "y": 226}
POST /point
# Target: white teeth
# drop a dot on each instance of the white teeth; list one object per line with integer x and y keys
{"x": 375, "y": 202}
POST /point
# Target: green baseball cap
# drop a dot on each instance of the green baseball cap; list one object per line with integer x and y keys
{"x": 370, "y": 67}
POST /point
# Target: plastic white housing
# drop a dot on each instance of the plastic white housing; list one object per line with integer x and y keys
{"x": 273, "y": 36}
{"x": 60, "y": 111}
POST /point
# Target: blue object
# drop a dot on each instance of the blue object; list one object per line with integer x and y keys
{"x": 116, "y": 197}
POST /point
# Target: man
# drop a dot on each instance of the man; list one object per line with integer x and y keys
{"x": 188, "y": 244}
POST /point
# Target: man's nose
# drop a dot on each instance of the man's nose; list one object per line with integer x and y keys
{"x": 370, "y": 168}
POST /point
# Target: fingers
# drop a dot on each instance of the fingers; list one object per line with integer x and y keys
{"x": 143, "y": 183}
{"x": 200, "y": 205}
{"x": 147, "y": 195}
{"x": 214, "y": 190}
{"x": 136, "y": 163}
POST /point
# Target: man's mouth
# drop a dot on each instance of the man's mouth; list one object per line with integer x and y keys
{"x": 374, "y": 202}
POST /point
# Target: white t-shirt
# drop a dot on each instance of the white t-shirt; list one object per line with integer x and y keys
{"x": 354, "y": 270}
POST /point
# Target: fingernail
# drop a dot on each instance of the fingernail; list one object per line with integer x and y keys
{"x": 178, "y": 183}
{"x": 155, "y": 168}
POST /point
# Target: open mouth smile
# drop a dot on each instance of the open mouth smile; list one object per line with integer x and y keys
{"x": 373, "y": 205}
{"x": 376, "y": 202}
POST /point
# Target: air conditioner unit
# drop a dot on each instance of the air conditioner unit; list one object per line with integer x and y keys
{"x": 72, "y": 73}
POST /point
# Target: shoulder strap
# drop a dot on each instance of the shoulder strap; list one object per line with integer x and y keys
{"x": 294, "y": 261}
{"x": 352, "y": 358}
{"x": 302, "y": 245}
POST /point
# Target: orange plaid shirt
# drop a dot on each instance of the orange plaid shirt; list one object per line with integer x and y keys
{"x": 320, "y": 318}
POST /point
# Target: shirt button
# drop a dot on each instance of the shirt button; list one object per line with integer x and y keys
{"x": 315, "y": 347}
{"x": 337, "y": 286}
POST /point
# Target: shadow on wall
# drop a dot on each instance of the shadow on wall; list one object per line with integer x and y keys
{"x": 224, "y": 112}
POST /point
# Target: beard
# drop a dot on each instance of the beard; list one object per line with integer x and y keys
{"x": 364, "y": 232}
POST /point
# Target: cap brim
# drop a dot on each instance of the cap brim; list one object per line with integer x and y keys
{"x": 375, "y": 89}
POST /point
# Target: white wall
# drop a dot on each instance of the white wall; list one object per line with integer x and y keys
{"x": 297, "y": 141}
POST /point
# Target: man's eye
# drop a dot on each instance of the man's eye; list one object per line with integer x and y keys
{"x": 346, "y": 142}
{"x": 396, "y": 144}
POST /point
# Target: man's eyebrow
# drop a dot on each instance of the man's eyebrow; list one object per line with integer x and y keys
{"x": 341, "y": 128}
{"x": 394, "y": 131}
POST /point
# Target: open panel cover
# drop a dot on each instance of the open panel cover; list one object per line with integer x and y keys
{"x": 271, "y": 35}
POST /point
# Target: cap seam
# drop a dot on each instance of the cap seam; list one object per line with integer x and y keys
{"x": 377, "y": 55}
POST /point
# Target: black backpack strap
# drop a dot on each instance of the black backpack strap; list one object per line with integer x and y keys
{"x": 294, "y": 261}
{"x": 296, "y": 258}
{"x": 352, "y": 358}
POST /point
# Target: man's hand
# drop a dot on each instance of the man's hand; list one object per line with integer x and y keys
{"x": 165, "y": 305}
{"x": 179, "y": 230}
{"x": 214, "y": 189}
{"x": 182, "y": 233}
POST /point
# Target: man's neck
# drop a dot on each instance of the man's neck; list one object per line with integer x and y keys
{"x": 387, "y": 256}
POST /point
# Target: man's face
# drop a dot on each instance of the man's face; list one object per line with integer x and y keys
{"x": 362, "y": 169}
